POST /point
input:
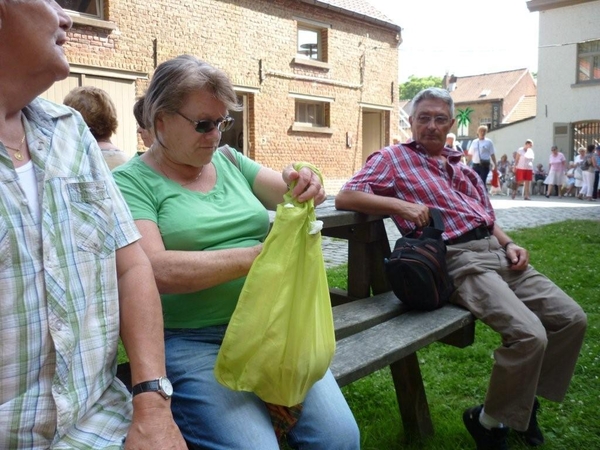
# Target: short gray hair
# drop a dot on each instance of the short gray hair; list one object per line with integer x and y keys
{"x": 433, "y": 93}
{"x": 175, "y": 79}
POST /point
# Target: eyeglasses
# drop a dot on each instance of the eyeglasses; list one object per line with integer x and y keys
{"x": 438, "y": 120}
{"x": 206, "y": 126}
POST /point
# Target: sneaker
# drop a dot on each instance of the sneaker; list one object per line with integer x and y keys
{"x": 494, "y": 439}
{"x": 533, "y": 435}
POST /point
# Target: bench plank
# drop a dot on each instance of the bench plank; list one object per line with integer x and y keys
{"x": 351, "y": 318}
{"x": 363, "y": 353}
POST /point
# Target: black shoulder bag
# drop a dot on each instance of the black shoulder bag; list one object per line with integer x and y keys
{"x": 417, "y": 269}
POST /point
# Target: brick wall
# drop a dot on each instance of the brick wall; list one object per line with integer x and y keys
{"x": 240, "y": 37}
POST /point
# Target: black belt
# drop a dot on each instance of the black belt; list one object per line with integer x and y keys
{"x": 481, "y": 232}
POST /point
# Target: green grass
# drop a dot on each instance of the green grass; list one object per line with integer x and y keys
{"x": 569, "y": 254}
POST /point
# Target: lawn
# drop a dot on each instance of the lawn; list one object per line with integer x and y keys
{"x": 569, "y": 254}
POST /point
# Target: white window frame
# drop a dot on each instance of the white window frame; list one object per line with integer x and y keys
{"x": 316, "y": 52}
{"x": 75, "y": 12}
{"x": 321, "y": 113}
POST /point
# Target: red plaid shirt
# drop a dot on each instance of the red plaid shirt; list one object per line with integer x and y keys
{"x": 406, "y": 172}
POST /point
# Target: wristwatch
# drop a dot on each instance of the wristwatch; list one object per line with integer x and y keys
{"x": 161, "y": 385}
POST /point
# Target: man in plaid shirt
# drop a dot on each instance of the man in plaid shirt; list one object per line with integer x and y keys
{"x": 542, "y": 328}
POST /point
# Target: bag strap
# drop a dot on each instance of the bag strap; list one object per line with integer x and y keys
{"x": 435, "y": 231}
{"x": 228, "y": 152}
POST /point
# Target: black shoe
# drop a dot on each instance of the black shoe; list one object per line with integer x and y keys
{"x": 494, "y": 439}
{"x": 533, "y": 435}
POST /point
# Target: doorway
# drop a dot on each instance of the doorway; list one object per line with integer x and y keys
{"x": 372, "y": 132}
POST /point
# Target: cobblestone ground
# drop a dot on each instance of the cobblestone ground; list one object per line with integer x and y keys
{"x": 510, "y": 215}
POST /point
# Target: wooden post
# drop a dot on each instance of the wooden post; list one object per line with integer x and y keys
{"x": 411, "y": 396}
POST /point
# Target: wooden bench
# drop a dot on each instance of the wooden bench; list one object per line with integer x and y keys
{"x": 376, "y": 331}
{"x": 379, "y": 331}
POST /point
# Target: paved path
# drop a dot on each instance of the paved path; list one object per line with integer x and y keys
{"x": 510, "y": 215}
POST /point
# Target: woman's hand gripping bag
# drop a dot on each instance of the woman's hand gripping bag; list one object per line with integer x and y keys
{"x": 280, "y": 339}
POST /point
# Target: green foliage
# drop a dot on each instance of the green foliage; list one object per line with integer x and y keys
{"x": 455, "y": 379}
{"x": 414, "y": 85}
{"x": 463, "y": 116}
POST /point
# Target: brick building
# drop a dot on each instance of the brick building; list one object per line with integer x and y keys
{"x": 496, "y": 99}
{"x": 317, "y": 79}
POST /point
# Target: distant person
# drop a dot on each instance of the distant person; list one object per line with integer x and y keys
{"x": 503, "y": 166}
{"x": 142, "y": 128}
{"x": 541, "y": 327}
{"x": 524, "y": 169}
{"x": 579, "y": 178}
{"x": 452, "y": 142}
{"x": 556, "y": 174}
{"x": 396, "y": 140}
{"x": 539, "y": 175}
{"x": 569, "y": 187}
{"x": 588, "y": 172}
{"x": 596, "y": 163}
{"x": 482, "y": 153}
{"x": 100, "y": 115}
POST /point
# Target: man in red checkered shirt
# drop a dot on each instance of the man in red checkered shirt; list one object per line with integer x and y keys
{"x": 541, "y": 327}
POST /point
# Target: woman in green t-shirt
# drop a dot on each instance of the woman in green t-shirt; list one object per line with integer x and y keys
{"x": 203, "y": 217}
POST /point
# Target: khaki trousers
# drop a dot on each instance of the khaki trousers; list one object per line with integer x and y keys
{"x": 541, "y": 327}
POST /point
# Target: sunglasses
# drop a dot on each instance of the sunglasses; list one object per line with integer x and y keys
{"x": 206, "y": 126}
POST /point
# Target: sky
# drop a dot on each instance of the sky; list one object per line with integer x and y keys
{"x": 463, "y": 37}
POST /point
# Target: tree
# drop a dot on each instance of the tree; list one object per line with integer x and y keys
{"x": 463, "y": 119}
{"x": 414, "y": 84}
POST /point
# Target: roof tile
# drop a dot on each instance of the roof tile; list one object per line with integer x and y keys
{"x": 489, "y": 86}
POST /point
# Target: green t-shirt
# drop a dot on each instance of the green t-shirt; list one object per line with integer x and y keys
{"x": 229, "y": 216}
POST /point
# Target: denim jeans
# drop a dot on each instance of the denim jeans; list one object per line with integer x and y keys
{"x": 211, "y": 416}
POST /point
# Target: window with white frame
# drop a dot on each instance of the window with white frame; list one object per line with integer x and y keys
{"x": 312, "y": 40}
{"x": 588, "y": 61}
{"x": 308, "y": 43}
{"x": 85, "y": 7}
{"x": 311, "y": 113}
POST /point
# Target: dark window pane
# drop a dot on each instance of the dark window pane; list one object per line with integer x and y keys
{"x": 82, "y": 6}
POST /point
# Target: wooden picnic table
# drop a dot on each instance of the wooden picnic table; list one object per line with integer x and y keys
{"x": 368, "y": 245}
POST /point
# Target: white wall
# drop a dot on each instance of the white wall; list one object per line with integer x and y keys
{"x": 558, "y": 98}
{"x": 511, "y": 137}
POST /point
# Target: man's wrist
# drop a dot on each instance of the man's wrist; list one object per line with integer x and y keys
{"x": 505, "y": 246}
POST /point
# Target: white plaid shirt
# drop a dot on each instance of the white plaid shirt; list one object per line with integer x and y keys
{"x": 59, "y": 316}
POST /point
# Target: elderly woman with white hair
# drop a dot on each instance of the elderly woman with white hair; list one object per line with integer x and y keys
{"x": 73, "y": 275}
{"x": 556, "y": 175}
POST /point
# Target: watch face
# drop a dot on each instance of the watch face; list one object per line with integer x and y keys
{"x": 166, "y": 386}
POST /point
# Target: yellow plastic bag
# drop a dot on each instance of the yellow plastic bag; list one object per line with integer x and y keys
{"x": 280, "y": 339}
